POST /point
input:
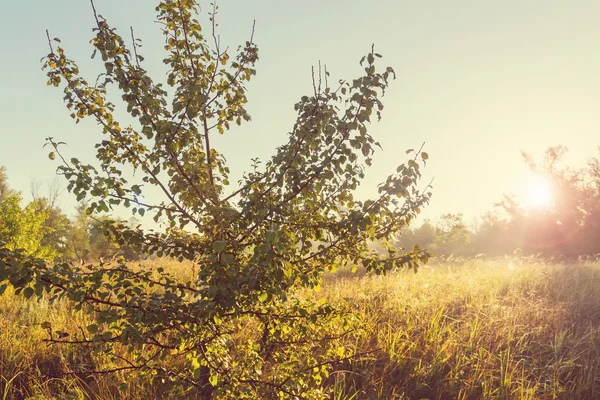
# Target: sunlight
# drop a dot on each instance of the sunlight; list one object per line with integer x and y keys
{"x": 539, "y": 192}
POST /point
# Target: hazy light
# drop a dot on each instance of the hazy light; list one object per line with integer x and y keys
{"x": 539, "y": 192}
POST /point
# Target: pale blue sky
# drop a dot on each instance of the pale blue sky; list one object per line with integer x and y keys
{"x": 478, "y": 81}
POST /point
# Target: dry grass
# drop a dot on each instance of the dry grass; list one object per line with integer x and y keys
{"x": 501, "y": 330}
{"x": 485, "y": 329}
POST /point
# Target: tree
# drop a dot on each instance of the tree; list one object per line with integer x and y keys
{"x": 3, "y": 183}
{"x": 253, "y": 245}
{"x": 490, "y": 237}
{"x": 56, "y": 225}
{"x": 26, "y": 227}
{"x": 452, "y": 235}
{"x": 425, "y": 236}
{"x": 570, "y": 224}
{"x": 79, "y": 234}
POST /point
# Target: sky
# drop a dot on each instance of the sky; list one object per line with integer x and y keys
{"x": 477, "y": 81}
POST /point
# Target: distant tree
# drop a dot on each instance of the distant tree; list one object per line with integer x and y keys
{"x": 288, "y": 221}
{"x": 3, "y": 183}
{"x": 452, "y": 235}
{"x": 79, "y": 234}
{"x": 490, "y": 236}
{"x": 57, "y": 225}
{"x": 88, "y": 240}
{"x": 101, "y": 244}
{"x": 424, "y": 236}
{"x": 594, "y": 171}
{"x": 569, "y": 224}
{"x": 23, "y": 227}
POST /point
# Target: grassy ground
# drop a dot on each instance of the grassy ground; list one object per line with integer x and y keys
{"x": 508, "y": 329}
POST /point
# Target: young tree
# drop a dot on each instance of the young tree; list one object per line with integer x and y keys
{"x": 242, "y": 327}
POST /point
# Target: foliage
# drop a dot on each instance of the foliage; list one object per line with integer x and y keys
{"x": 56, "y": 228}
{"x": 452, "y": 235}
{"x": 449, "y": 235}
{"x": 79, "y": 234}
{"x": 424, "y": 235}
{"x": 26, "y": 227}
{"x": 491, "y": 236}
{"x": 257, "y": 247}
{"x": 3, "y": 183}
{"x": 43, "y": 230}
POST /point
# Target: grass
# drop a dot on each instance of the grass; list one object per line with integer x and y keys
{"x": 501, "y": 330}
{"x": 504, "y": 329}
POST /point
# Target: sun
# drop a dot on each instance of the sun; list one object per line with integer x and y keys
{"x": 539, "y": 192}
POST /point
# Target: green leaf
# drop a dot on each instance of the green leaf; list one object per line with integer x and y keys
{"x": 3, "y": 271}
{"x": 196, "y": 373}
{"x": 15, "y": 266}
{"x": 219, "y": 245}
{"x": 263, "y": 297}
{"x": 28, "y": 292}
{"x": 92, "y": 328}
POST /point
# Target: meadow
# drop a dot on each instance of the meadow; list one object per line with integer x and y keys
{"x": 509, "y": 328}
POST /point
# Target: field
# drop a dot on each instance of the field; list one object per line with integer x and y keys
{"x": 501, "y": 329}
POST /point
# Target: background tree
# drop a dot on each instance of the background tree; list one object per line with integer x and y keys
{"x": 490, "y": 236}
{"x": 569, "y": 224}
{"x": 424, "y": 235}
{"x": 452, "y": 235}
{"x": 255, "y": 244}
{"x": 79, "y": 234}
{"x": 56, "y": 225}
{"x": 24, "y": 227}
{"x": 3, "y": 182}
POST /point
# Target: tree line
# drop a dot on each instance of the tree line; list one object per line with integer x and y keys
{"x": 568, "y": 226}
{"x": 45, "y": 231}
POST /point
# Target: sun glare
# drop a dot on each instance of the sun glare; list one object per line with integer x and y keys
{"x": 539, "y": 192}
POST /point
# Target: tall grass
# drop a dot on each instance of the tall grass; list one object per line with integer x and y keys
{"x": 501, "y": 330}
{"x": 504, "y": 329}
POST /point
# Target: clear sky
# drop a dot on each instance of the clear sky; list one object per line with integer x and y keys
{"x": 478, "y": 81}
